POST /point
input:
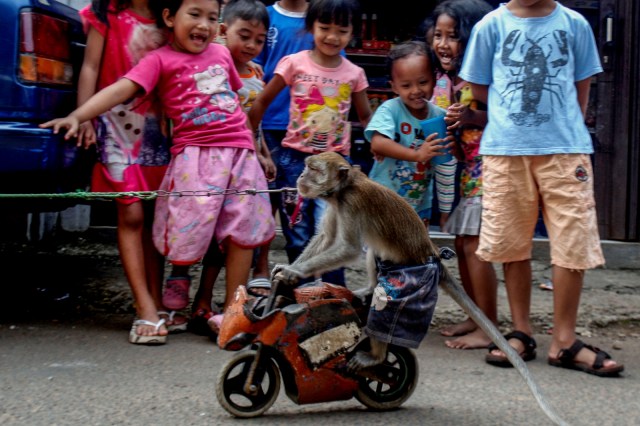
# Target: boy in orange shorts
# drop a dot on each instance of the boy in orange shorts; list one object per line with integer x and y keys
{"x": 531, "y": 61}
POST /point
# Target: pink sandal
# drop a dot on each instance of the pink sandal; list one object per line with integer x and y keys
{"x": 176, "y": 293}
{"x": 215, "y": 322}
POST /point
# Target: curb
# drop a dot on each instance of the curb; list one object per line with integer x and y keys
{"x": 618, "y": 255}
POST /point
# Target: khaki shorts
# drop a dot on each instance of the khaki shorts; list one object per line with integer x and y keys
{"x": 514, "y": 190}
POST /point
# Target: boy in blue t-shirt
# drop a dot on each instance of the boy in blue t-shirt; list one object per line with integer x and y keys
{"x": 531, "y": 62}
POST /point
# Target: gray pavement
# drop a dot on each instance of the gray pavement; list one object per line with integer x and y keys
{"x": 86, "y": 373}
{"x": 65, "y": 359}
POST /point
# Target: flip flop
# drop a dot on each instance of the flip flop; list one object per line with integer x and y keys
{"x": 215, "y": 323}
{"x": 172, "y": 326}
{"x": 259, "y": 287}
{"x": 139, "y": 339}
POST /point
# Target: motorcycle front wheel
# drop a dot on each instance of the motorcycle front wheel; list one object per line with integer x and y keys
{"x": 231, "y": 380}
{"x": 396, "y": 380}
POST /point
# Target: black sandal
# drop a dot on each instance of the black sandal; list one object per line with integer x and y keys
{"x": 566, "y": 359}
{"x": 527, "y": 354}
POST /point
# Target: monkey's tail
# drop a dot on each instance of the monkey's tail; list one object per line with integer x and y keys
{"x": 455, "y": 290}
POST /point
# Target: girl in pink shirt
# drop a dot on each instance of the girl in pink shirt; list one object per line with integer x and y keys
{"x": 323, "y": 86}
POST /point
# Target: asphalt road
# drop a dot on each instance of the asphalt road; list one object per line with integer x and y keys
{"x": 65, "y": 313}
{"x": 86, "y": 373}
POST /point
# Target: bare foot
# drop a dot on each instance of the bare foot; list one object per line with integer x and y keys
{"x": 515, "y": 344}
{"x": 474, "y": 340}
{"x": 460, "y": 329}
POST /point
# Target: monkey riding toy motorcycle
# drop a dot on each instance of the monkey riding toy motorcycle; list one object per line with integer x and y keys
{"x": 305, "y": 337}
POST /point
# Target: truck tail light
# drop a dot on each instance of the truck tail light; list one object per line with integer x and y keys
{"x": 45, "y": 51}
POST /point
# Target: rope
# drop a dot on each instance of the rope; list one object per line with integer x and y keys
{"x": 146, "y": 195}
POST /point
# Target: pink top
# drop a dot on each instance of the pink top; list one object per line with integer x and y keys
{"x": 198, "y": 93}
{"x": 127, "y": 39}
{"x": 320, "y": 102}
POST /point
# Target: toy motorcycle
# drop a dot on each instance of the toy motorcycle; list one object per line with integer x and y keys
{"x": 306, "y": 338}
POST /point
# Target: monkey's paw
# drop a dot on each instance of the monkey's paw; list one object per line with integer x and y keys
{"x": 285, "y": 274}
{"x": 276, "y": 269}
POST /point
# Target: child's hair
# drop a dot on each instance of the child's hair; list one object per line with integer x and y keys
{"x": 465, "y": 13}
{"x": 405, "y": 49}
{"x": 339, "y": 12}
{"x": 173, "y": 5}
{"x": 100, "y": 8}
{"x": 247, "y": 10}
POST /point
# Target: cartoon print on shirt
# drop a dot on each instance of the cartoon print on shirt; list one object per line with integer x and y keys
{"x": 411, "y": 189}
{"x": 214, "y": 82}
{"x": 320, "y": 120}
{"x": 414, "y": 177}
{"x": 531, "y": 64}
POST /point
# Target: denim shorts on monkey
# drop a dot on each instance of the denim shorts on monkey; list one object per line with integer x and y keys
{"x": 403, "y": 303}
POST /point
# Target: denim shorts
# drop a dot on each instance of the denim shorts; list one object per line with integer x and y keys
{"x": 403, "y": 303}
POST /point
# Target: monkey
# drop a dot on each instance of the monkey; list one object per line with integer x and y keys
{"x": 361, "y": 212}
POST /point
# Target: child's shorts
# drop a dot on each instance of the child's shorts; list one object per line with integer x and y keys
{"x": 184, "y": 225}
{"x": 514, "y": 186}
{"x": 403, "y": 303}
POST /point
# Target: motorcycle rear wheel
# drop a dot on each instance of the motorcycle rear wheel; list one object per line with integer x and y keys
{"x": 230, "y": 386}
{"x": 401, "y": 369}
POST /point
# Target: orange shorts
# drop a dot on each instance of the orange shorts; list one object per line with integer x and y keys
{"x": 514, "y": 189}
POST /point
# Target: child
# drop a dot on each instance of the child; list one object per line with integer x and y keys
{"x": 243, "y": 30}
{"x": 286, "y": 35}
{"x": 536, "y": 149}
{"x": 402, "y": 150}
{"x": 323, "y": 85}
{"x": 133, "y": 153}
{"x": 448, "y": 32}
{"x": 213, "y": 149}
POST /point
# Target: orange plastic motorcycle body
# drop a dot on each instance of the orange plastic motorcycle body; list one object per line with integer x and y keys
{"x": 309, "y": 341}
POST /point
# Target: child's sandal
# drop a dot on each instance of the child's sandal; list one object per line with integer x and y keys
{"x": 567, "y": 359}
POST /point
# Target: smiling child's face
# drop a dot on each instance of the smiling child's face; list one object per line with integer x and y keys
{"x": 244, "y": 39}
{"x": 412, "y": 80}
{"x": 194, "y": 25}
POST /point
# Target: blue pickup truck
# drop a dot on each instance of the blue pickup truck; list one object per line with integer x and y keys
{"x": 41, "y": 51}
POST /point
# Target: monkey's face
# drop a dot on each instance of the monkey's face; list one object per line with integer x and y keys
{"x": 321, "y": 175}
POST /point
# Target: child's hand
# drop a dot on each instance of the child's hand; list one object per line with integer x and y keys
{"x": 456, "y": 115}
{"x": 257, "y": 68}
{"x": 70, "y": 123}
{"x": 86, "y": 135}
{"x": 433, "y": 147}
{"x": 268, "y": 166}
